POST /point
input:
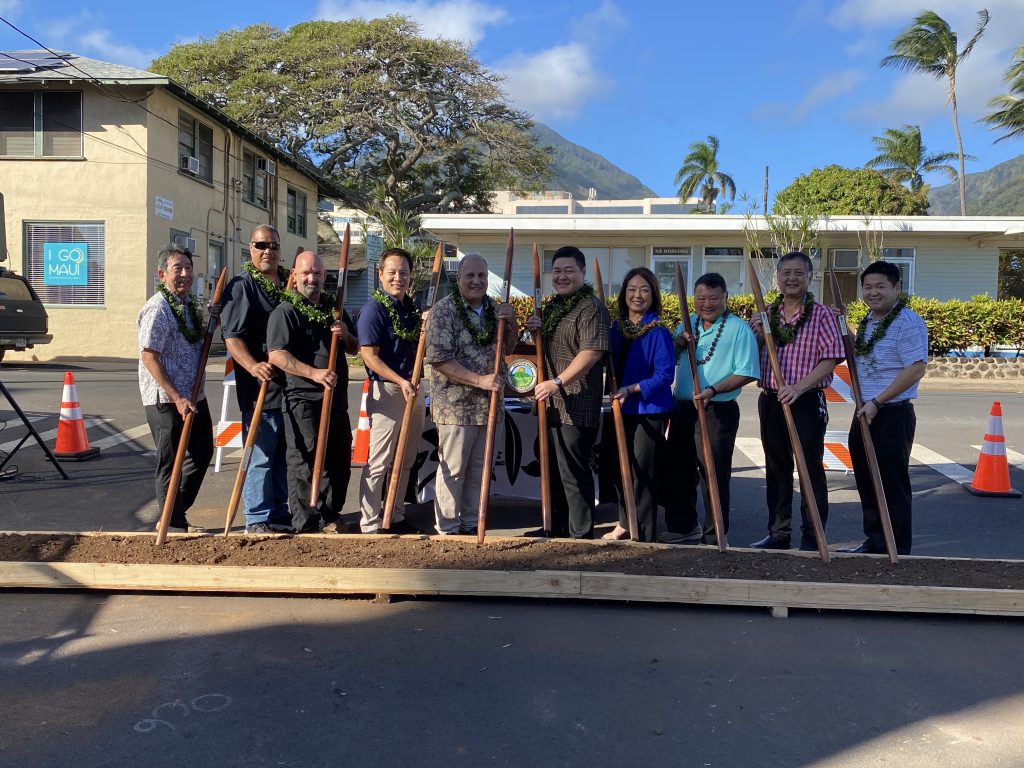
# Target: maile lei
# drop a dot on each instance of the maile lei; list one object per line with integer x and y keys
{"x": 634, "y": 331}
{"x": 325, "y": 314}
{"x": 556, "y": 309}
{"x": 264, "y": 283}
{"x": 783, "y": 332}
{"x": 484, "y": 334}
{"x": 412, "y": 333}
{"x": 864, "y": 348}
{"x": 193, "y": 334}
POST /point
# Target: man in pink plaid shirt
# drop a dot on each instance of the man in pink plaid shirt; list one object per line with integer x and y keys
{"x": 809, "y": 347}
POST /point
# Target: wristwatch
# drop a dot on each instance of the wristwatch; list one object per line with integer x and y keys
{"x": 558, "y": 382}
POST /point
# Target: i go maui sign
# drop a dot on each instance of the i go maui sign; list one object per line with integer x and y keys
{"x": 65, "y": 263}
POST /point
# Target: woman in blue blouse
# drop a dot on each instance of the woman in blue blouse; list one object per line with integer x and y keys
{"x": 645, "y": 364}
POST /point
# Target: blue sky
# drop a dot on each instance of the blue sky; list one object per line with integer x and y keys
{"x": 792, "y": 85}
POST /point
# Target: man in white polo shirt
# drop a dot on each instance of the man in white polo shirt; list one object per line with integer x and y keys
{"x": 892, "y": 353}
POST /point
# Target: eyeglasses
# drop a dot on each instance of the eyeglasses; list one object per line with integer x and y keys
{"x": 264, "y": 245}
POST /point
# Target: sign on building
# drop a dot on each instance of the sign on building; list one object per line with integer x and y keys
{"x": 65, "y": 263}
{"x": 164, "y": 208}
{"x": 374, "y": 245}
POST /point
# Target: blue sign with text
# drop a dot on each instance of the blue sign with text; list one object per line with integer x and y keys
{"x": 65, "y": 263}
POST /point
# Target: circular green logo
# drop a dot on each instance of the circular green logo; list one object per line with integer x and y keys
{"x": 522, "y": 375}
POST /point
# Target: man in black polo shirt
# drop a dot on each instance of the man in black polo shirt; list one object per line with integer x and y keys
{"x": 248, "y": 301}
{"x": 299, "y": 341}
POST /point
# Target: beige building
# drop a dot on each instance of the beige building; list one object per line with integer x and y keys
{"x": 109, "y": 163}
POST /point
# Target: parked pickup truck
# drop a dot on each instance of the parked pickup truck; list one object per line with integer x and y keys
{"x": 23, "y": 320}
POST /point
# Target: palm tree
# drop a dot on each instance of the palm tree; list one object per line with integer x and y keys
{"x": 928, "y": 45}
{"x": 700, "y": 169}
{"x": 903, "y": 157}
{"x": 1009, "y": 108}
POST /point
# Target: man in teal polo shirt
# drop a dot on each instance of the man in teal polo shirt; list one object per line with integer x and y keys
{"x": 727, "y": 360}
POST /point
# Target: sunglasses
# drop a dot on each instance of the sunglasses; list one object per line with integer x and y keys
{"x": 264, "y": 245}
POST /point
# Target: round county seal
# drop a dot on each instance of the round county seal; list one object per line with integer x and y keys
{"x": 522, "y": 375}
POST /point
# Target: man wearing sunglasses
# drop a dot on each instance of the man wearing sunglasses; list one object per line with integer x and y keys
{"x": 248, "y": 301}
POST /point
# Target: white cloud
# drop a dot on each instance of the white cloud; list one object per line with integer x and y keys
{"x": 99, "y": 44}
{"x": 465, "y": 20}
{"x": 830, "y": 88}
{"x": 9, "y": 8}
{"x": 554, "y": 83}
{"x": 592, "y": 29}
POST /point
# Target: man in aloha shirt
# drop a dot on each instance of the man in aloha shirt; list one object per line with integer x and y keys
{"x": 460, "y": 349}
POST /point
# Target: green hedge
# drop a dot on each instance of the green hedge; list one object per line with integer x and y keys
{"x": 953, "y": 325}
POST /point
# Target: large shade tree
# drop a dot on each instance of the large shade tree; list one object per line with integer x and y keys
{"x": 700, "y": 169}
{"x": 400, "y": 121}
{"x": 929, "y": 46}
{"x": 903, "y": 157}
{"x": 1008, "y": 108}
{"x": 838, "y": 191}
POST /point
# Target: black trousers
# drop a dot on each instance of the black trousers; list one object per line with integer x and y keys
{"x": 645, "y": 441}
{"x": 892, "y": 433}
{"x": 301, "y": 423}
{"x": 572, "y": 481}
{"x": 685, "y": 467}
{"x": 811, "y": 417}
{"x": 165, "y": 424}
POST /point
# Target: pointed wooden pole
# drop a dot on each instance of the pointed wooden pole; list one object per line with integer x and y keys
{"x": 794, "y": 439}
{"x": 542, "y": 408}
{"x": 496, "y": 408}
{"x": 332, "y": 359}
{"x": 402, "y": 444}
{"x": 186, "y": 429}
{"x": 625, "y": 469}
{"x": 865, "y": 429}
{"x": 702, "y": 416}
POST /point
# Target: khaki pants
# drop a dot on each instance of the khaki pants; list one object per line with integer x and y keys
{"x": 385, "y": 406}
{"x": 460, "y": 451}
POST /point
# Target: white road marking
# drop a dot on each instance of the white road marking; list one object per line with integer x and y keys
{"x": 752, "y": 449}
{"x": 121, "y": 437}
{"x": 48, "y": 435}
{"x": 12, "y": 418}
{"x": 941, "y": 464}
{"x": 1013, "y": 457}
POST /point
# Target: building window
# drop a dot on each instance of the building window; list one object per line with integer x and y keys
{"x": 296, "y": 212}
{"x": 41, "y": 124}
{"x": 904, "y": 259}
{"x": 195, "y": 140}
{"x": 726, "y": 261}
{"x": 254, "y": 179}
{"x": 542, "y": 210}
{"x": 66, "y": 262}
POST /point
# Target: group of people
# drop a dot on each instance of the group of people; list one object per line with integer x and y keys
{"x": 279, "y": 335}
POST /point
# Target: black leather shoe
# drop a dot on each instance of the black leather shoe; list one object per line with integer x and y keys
{"x": 540, "y": 533}
{"x": 771, "y": 543}
{"x": 809, "y": 545}
{"x": 400, "y": 527}
{"x": 866, "y": 548}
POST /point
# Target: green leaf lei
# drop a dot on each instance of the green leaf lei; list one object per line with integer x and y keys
{"x": 556, "y": 309}
{"x": 324, "y": 315}
{"x": 634, "y": 331}
{"x": 193, "y": 334}
{"x": 864, "y": 348}
{"x": 484, "y": 334}
{"x": 783, "y": 332}
{"x": 411, "y": 333}
{"x": 264, "y": 283}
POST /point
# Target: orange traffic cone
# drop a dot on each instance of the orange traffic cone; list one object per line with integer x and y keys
{"x": 361, "y": 446}
{"x": 992, "y": 475}
{"x": 72, "y": 442}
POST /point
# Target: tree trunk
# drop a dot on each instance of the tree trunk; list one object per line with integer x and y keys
{"x": 959, "y": 146}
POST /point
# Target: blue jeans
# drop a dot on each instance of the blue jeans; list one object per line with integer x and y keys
{"x": 265, "y": 493}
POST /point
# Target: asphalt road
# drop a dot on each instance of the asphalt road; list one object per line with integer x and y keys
{"x": 114, "y": 491}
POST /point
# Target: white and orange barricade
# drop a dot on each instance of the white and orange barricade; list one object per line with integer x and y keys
{"x": 837, "y": 448}
{"x": 227, "y": 434}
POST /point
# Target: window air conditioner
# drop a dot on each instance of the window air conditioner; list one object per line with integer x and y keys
{"x": 267, "y": 166}
{"x": 271, "y": 168}
{"x": 186, "y": 242}
{"x": 190, "y": 164}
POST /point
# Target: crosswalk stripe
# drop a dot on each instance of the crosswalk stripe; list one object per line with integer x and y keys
{"x": 48, "y": 434}
{"x": 753, "y": 450}
{"x": 12, "y": 418}
{"x": 941, "y": 464}
{"x": 121, "y": 437}
{"x": 1016, "y": 458}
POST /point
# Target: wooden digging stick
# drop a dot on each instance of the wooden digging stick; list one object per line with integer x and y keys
{"x": 402, "y": 444}
{"x": 702, "y": 416}
{"x": 495, "y": 408}
{"x": 625, "y": 470}
{"x": 186, "y": 429}
{"x": 794, "y": 439}
{"x": 865, "y": 430}
{"x": 332, "y": 359}
{"x": 542, "y": 408}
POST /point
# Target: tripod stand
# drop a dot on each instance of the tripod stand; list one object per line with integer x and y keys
{"x": 31, "y": 433}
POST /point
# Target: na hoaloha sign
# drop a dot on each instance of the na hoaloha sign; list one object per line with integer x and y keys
{"x": 65, "y": 263}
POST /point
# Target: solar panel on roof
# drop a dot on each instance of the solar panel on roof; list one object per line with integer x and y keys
{"x": 29, "y": 61}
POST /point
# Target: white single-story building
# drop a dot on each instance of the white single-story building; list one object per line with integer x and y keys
{"x": 942, "y": 257}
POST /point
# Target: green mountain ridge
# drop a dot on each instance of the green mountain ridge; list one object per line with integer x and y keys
{"x": 999, "y": 191}
{"x": 575, "y": 169}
